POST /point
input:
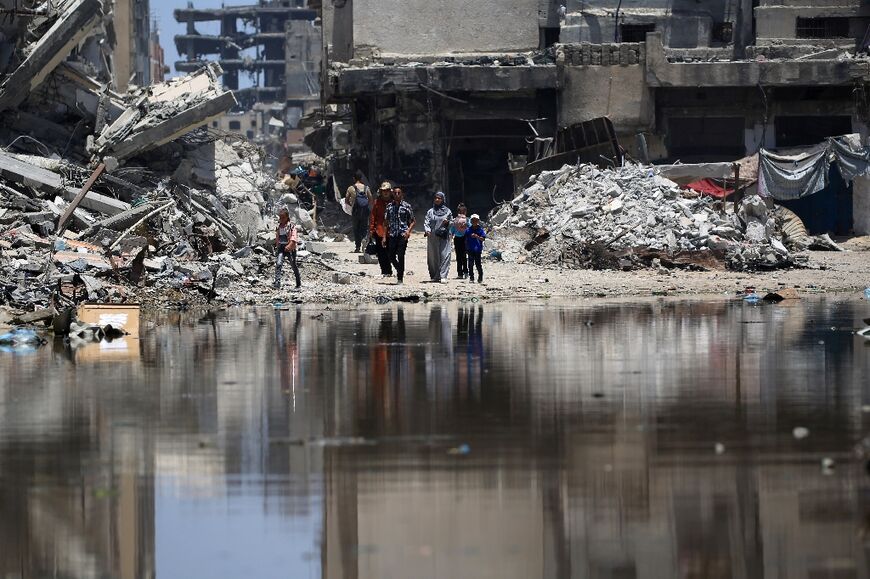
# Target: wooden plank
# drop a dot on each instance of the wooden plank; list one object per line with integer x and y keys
{"x": 61, "y": 224}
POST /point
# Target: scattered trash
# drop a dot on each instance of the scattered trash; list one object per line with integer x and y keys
{"x": 800, "y": 433}
{"x": 410, "y": 299}
{"x": 867, "y": 294}
{"x": 719, "y": 448}
{"x": 782, "y": 295}
{"x": 122, "y": 318}
{"x": 462, "y": 449}
{"x": 752, "y": 298}
{"x": 20, "y": 340}
{"x": 828, "y": 466}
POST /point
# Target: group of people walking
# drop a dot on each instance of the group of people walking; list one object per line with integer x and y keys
{"x": 387, "y": 221}
{"x": 467, "y": 235}
{"x": 391, "y": 219}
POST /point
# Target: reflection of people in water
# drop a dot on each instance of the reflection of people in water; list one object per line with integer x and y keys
{"x": 439, "y": 352}
{"x": 470, "y": 360}
{"x": 287, "y": 354}
{"x": 391, "y": 371}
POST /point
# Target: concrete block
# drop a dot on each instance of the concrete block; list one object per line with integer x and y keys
{"x": 50, "y": 50}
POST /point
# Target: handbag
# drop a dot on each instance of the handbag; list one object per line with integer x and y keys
{"x": 443, "y": 231}
{"x": 372, "y": 247}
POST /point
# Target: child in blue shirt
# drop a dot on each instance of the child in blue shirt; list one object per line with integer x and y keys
{"x": 474, "y": 237}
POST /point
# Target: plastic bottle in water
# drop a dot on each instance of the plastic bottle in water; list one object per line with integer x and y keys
{"x": 867, "y": 294}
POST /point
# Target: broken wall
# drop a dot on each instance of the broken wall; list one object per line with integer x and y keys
{"x": 605, "y": 81}
{"x": 399, "y": 27}
{"x": 861, "y": 205}
{"x": 683, "y": 23}
{"x": 777, "y": 19}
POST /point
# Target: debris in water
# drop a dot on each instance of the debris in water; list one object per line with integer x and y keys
{"x": 462, "y": 450}
{"x": 800, "y": 433}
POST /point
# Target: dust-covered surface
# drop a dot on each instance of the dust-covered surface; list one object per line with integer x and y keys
{"x": 830, "y": 272}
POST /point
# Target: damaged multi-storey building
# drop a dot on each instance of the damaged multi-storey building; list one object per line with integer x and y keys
{"x": 275, "y": 43}
{"x": 454, "y": 97}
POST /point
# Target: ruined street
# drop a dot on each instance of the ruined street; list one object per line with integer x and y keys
{"x": 434, "y": 289}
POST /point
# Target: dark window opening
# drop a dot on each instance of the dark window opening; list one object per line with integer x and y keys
{"x": 254, "y": 123}
{"x": 723, "y": 32}
{"x": 801, "y": 131}
{"x": 549, "y": 37}
{"x": 250, "y": 134}
{"x": 235, "y": 125}
{"x": 635, "y": 32}
{"x": 214, "y": 124}
{"x": 706, "y": 139}
{"x": 829, "y": 27}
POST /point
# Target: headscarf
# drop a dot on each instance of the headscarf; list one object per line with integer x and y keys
{"x": 440, "y": 210}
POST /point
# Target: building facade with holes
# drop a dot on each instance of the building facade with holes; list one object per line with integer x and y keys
{"x": 457, "y": 106}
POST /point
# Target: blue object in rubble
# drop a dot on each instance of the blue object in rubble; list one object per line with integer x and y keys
{"x": 21, "y": 340}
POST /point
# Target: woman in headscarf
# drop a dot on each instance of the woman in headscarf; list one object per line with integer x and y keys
{"x": 437, "y": 230}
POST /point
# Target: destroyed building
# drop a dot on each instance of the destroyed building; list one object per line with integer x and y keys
{"x": 277, "y": 44}
{"x": 441, "y": 93}
{"x": 102, "y": 190}
{"x": 463, "y": 95}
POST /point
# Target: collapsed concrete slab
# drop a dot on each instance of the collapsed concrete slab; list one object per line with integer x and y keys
{"x": 165, "y": 112}
{"x": 74, "y": 23}
{"x": 47, "y": 181}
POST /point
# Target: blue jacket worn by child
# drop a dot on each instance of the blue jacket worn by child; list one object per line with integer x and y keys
{"x": 472, "y": 244}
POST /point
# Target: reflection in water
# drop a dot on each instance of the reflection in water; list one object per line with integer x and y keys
{"x": 444, "y": 441}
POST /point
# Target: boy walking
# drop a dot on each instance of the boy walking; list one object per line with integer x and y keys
{"x": 474, "y": 236}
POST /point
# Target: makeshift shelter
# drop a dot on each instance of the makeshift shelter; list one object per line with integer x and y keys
{"x": 816, "y": 183}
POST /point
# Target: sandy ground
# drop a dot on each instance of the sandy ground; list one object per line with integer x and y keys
{"x": 829, "y": 272}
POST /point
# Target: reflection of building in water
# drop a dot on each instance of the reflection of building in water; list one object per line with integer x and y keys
{"x": 236, "y": 398}
{"x": 62, "y": 517}
{"x": 594, "y": 454}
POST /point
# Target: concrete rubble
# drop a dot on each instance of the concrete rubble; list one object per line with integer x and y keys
{"x": 146, "y": 204}
{"x": 629, "y": 217}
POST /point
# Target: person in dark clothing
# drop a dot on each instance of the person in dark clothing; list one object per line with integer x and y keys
{"x": 400, "y": 222}
{"x": 378, "y": 226}
{"x": 359, "y": 199}
{"x": 286, "y": 239}
{"x": 474, "y": 246}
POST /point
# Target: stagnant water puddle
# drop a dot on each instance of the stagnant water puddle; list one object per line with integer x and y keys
{"x": 638, "y": 439}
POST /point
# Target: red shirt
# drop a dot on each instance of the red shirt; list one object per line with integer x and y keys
{"x": 377, "y": 220}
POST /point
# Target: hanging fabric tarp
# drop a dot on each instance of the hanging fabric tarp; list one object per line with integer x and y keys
{"x": 792, "y": 177}
{"x": 853, "y": 161}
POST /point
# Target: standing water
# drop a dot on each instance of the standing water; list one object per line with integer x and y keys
{"x": 650, "y": 439}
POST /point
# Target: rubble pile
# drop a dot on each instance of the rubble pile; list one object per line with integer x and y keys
{"x": 151, "y": 206}
{"x": 585, "y": 217}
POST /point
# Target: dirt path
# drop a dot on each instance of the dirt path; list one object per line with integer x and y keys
{"x": 832, "y": 272}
